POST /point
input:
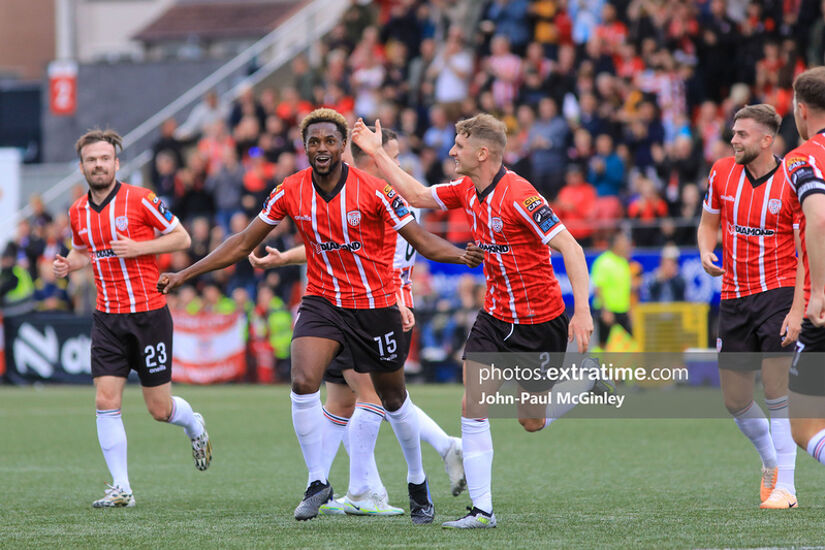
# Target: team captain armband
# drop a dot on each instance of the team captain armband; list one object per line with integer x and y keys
{"x": 804, "y": 175}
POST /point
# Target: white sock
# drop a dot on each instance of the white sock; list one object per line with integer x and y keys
{"x": 112, "y": 438}
{"x": 816, "y": 447}
{"x": 307, "y": 420}
{"x": 432, "y": 433}
{"x": 363, "y": 433}
{"x": 404, "y": 423}
{"x": 333, "y": 431}
{"x": 478, "y": 461}
{"x": 754, "y": 424}
{"x": 783, "y": 442}
{"x": 182, "y": 415}
{"x": 556, "y": 410}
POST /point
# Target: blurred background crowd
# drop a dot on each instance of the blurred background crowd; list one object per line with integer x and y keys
{"x": 615, "y": 110}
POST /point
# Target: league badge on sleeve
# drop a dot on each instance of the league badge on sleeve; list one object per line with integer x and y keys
{"x": 545, "y": 218}
{"x": 399, "y": 207}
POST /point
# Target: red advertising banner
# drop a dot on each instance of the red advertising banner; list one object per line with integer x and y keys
{"x": 63, "y": 88}
{"x": 208, "y": 348}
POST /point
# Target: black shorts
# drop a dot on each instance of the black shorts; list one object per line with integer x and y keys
{"x": 751, "y": 324}
{"x": 373, "y": 337}
{"x": 491, "y": 335}
{"x": 141, "y": 341}
{"x": 343, "y": 361}
{"x": 807, "y": 375}
{"x": 621, "y": 319}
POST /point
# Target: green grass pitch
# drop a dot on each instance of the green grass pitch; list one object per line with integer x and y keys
{"x": 583, "y": 483}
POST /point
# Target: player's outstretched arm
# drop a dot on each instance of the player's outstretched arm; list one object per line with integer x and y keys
{"x": 74, "y": 260}
{"x": 413, "y": 191}
{"x": 581, "y": 325}
{"x": 177, "y": 239}
{"x": 275, "y": 258}
{"x": 437, "y": 249}
{"x": 706, "y": 239}
{"x": 813, "y": 208}
{"x": 232, "y": 250}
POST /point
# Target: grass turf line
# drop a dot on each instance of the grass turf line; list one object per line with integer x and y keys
{"x": 581, "y": 483}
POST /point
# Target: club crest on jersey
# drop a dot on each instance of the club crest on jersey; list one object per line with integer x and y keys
{"x": 531, "y": 203}
{"x": 121, "y": 222}
{"x": 389, "y": 191}
{"x": 496, "y": 224}
{"x": 774, "y": 205}
{"x": 354, "y": 218}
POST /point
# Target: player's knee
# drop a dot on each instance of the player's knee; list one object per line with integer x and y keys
{"x": 392, "y": 401}
{"x": 531, "y": 424}
{"x": 303, "y": 384}
{"x": 734, "y": 407}
{"x": 160, "y": 411}
{"x": 800, "y": 434}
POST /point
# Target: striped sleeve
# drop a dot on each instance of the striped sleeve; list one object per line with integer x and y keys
{"x": 77, "y": 242}
{"x": 711, "y": 202}
{"x": 803, "y": 175}
{"x": 156, "y": 214}
{"x": 534, "y": 213}
{"x": 396, "y": 211}
{"x": 448, "y": 195}
{"x": 274, "y": 208}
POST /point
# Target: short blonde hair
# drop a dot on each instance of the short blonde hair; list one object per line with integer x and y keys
{"x": 325, "y": 115}
{"x": 486, "y": 128}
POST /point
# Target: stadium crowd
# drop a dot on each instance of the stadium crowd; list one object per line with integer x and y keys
{"x": 616, "y": 110}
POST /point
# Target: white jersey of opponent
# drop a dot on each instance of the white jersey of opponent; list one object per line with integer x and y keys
{"x": 403, "y": 263}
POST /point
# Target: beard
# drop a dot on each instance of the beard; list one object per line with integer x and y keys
{"x": 98, "y": 183}
{"x": 745, "y": 156}
{"x": 333, "y": 164}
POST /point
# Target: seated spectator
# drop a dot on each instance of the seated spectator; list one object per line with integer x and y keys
{"x": 646, "y": 209}
{"x": 440, "y": 136}
{"x": 213, "y": 144}
{"x": 575, "y": 205}
{"x": 258, "y": 178}
{"x": 606, "y": 170}
{"x": 509, "y": 19}
{"x": 165, "y": 179}
{"x": 246, "y": 105}
{"x": 226, "y": 187}
{"x": 547, "y": 142}
{"x": 667, "y": 284}
{"x": 50, "y": 292}
{"x": 210, "y": 110}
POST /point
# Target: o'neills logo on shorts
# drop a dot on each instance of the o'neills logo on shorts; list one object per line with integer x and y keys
{"x": 494, "y": 248}
{"x": 750, "y": 231}
{"x": 330, "y": 246}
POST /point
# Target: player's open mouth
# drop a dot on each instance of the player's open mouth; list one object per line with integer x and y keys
{"x": 322, "y": 160}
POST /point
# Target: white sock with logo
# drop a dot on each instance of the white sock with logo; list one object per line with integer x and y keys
{"x": 477, "y": 443}
{"x": 754, "y": 424}
{"x": 307, "y": 420}
{"x": 783, "y": 442}
{"x": 112, "y": 438}
{"x": 182, "y": 415}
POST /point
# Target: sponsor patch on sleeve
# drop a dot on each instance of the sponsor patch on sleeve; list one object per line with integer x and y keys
{"x": 545, "y": 218}
{"x": 389, "y": 191}
{"x": 164, "y": 211}
{"x": 795, "y": 162}
{"x": 400, "y": 207}
{"x": 533, "y": 202}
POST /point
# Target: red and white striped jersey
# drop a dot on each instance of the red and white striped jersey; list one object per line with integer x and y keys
{"x": 803, "y": 172}
{"x": 349, "y": 257}
{"x": 508, "y": 220}
{"x": 403, "y": 263}
{"x": 758, "y": 218}
{"x": 124, "y": 285}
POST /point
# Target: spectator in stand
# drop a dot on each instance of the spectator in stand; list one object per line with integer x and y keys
{"x": 509, "y": 18}
{"x": 402, "y": 25}
{"x": 575, "y": 205}
{"x": 165, "y": 180}
{"x": 547, "y": 142}
{"x": 40, "y": 217}
{"x": 648, "y": 208}
{"x": 667, "y": 284}
{"x": 581, "y": 150}
{"x": 368, "y": 52}
{"x": 167, "y": 142}
{"x": 366, "y": 83}
{"x": 589, "y": 117}
{"x": 441, "y": 134}
{"x": 195, "y": 200}
{"x": 246, "y": 135}
{"x": 606, "y": 171}
{"x": 246, "y": 105}
{"x": 451, "y": 71}
{"x": 210, "y": 110}
{"x": 49, "y": 292}
{"x": 213, "y": 145}
{"x": 304, "y": 77}
{"x": 258, "y": 178}
{"x": 501, "y": 71}
{"x": 420, "y": 82}
{"x": 226, "y": 187}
